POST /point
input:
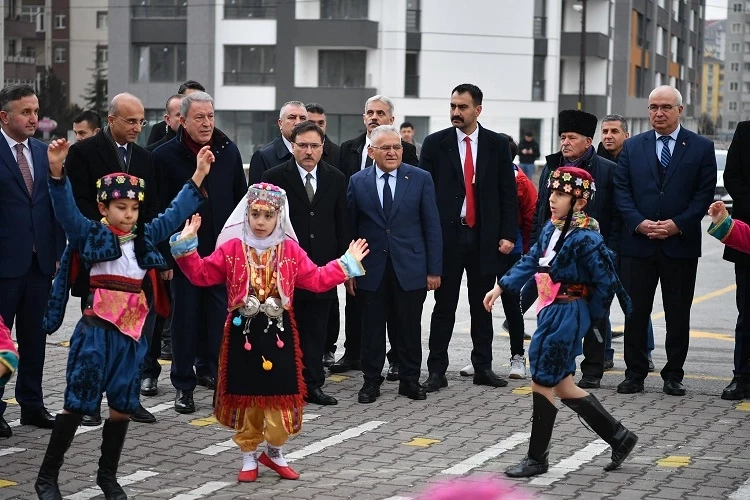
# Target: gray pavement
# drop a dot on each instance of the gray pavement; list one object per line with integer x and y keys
{"x": 691, "y": 447}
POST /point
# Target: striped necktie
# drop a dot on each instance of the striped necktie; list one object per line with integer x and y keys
{"x": 666, "y": 156}
{"x": 23, "y": 165}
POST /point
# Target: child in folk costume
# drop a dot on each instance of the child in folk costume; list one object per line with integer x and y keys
{"x": 577, "y": 280}
{"x": 260, "y": 391}
{"x": 106, "y": 348}
{"x": 732, "y": 232}
{"x": 8, "y": 355}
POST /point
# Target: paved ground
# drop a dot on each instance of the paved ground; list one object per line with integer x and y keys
{"x": 692, "y": 447}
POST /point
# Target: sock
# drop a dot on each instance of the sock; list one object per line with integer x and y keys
{"x": 276, "y": 456}
{"x": 249, "y": 461}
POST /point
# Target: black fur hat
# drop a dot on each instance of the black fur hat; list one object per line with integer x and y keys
{"x": 580, "y": 122}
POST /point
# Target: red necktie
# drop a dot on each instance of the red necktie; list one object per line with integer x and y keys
{"x": 471, "y": 217}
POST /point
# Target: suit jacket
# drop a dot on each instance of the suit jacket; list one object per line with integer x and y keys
{"x": 27, "y": 221}
{"x": 331, "y": 153}
{"x": 351, "y": 155}
{"x": 158, "y": 131}
{"x": 410, "y": 236}
{"x": 321, "y": 226}
{"x": 687, "y": 191}
{"x": 168, "y": 137}
{"x": 272, "y": 154}
{"x": 495, "y": 192}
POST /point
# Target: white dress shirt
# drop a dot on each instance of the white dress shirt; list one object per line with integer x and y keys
{"x": 672, "y": 143}
{"x": 474, "y": 136}
{"x": 364, "y": 154}
{"x": 314, "y": 181}
{"x": 26, "y": 150}
{"x": 380, "y": 183}
{"x": 287, "y": 144}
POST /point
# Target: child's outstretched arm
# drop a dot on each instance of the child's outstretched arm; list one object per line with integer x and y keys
{"x": 321, "y": 279}
{"x": 732, "y": 232}
{"x": 206, "y": 271}
{"x": 75, "y": 224}
{"x": 8, "y": 355}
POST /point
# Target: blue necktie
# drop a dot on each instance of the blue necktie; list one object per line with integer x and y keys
{"x": 666, "y": 156}
{"x": 387, "y": 196}
{"x": 124, "y": 154}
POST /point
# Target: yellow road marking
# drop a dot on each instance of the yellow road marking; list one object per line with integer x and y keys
{"x": 522, "y": 390}
{"x": 422, "y": 442}
{"x": 337, "y": 378}
{"x": 743, "y": 407}
{"x": 5, "y": 482}
{"x": 674, "y": 461}
{"x": 11, "y": 401}
{"x": 693, "y": 377}
{"x": 164, "y": 362}
{"x": 64, "y": 343}
{"x": 203, "y": 422}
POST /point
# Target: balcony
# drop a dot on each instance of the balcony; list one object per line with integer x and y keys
{"x": 235, "y": 78}
{"x": 540, "y": 27}
{"x": 15, "y": 28}
{"x": 338, "y": 100}
{"x": 249, "y": 11}
{"x": 413, "y": 20}
{"x": 158, "y": 11}
{"x": 334, "y": 33}
{"x": 20, "y": 60}
{"x": 597, "y": 44}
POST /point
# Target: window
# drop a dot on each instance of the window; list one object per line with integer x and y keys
{"x": 693, "y": 20}
{"x": 159, "y": 63}
{"x": 640, "y": 27}
{"x": 102, "y": 55}
{"x": 60, "y": 54}
{"x": 639, "y": 81}
{"x": 660, "y": 37}
{"x": 747, "y": 47}
{"x": 101, "y": 20}
{"x": 343, "y": 9}
{"x": 538, "y": 78}
{"x": 735, "y": 66}
{"x": 30, "y": 51}
{"x": 736, "y": 28}
{"x": 251, "y": 130}
{"x": 249, "y": 65}
{"x": 674, "y": 49}
{"x": 734, "y": 47}
{"x": 734, "y": 86}
{"x": 411, "y": 75}
{"x": 33, "y": 14}
{"x": 11, "y": 48}
{"x": 249, "y": 9}
{"x": 746, "y": 87}
{"x": 732, "y": 124}
{"x": 691, "y": 57}
{"x": 675, "y": 9}
{"x": 60, "y": 21}
{"x": 413, "y": 15}
{"x": 733, "y": 106}
{"x": 737, "y": 7}
{"x": 746, "y": 66}
{"x": 658, "y": 78}
{"x": 342, "y": 68}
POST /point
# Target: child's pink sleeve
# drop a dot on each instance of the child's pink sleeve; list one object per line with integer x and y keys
{"x": 8, "y": 354}
{"x": 733, "y": 233}
{"x": 206, "y": 271}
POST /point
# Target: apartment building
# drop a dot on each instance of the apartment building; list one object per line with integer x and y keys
{"x": 736, "y": 88}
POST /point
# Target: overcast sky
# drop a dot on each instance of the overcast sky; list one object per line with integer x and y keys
{"x": 716, "y": 9}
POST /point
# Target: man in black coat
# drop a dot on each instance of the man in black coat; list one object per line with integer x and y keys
{"x": 172, "y": 120}
{"x": 476, "y": 197}
{"x": 354, "y": 157}
{"x": 316, "y": 193}
{"x": 161, "y": 129}
{"x": 278, "y": 150}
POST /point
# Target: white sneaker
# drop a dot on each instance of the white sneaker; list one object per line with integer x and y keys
{"x": 467, "y": 371}
{"x": 517, "y": 367}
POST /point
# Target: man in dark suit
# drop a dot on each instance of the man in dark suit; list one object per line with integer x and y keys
{"x": 161, "y": 129}
{"x": 86, "y": 124}
{"x": 278, "y": 150}
{"x": 112, "y": 150}
{"x": 476, "y": 192}
{"x": 355, "y": 157}
{"x": 664, "y": 182}
{"x": 31, "y": 243}
{"x": 392, "y": 206}
{"x": 316, "y": 193}
{"x": 172, "y": 120}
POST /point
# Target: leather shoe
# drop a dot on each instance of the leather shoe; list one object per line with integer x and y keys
{"x": 488, "y": 377}
{"x": 328, "y": 359}
{"x": 392, "y": 374}
{"x": 149, "y": 387}
{"x": 318, "y": 397}
{"x": 143, "y": 416}
{"x": 651, "y": 366}
{"x": 248, "y": 476}
{"x": 738, "y": 388}
{"x": 183, "y": 402}
{"x": 5, "y": 430}
{"x": 345, "y": 364}
{"x": 207, "y": 381}
{"x": 92, "y": 420}
{"x": 674, "y": 387}
{"x": 368, "y": 393}
{"x": 412, "y": 390}
{"x": 589, "y": 382}
{"x": 609, "y": 364}
{"x": 435, "y": 382}
{"x": 285, "y": 472}
{"x": 630, "y": 386}
{"x": 39, "y": 417}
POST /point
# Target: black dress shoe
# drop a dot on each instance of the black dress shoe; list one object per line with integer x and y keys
{"x": 328, "y": 359}
{"x": 488, "y": 377}
{"x": 92, "y": 420}
{"x": 345, "y": 364}
{"x": 368, "y": 393}
{"x": 674, "y": 387}
{"x": 392, "y": 374}
{"x": 609, "y": 364}
{"x": 738, "y": 388}
{"x": 149, "y": 387}
{"x": 318, "y": 397}
{"x": 412, "y": 390}
{"x": 5, "y": 430}
{"x": 589, "y": 382}
{"x": 207, "y": 381}
{"x": 630, "y": 386}
{"x": 143, "y": 416}
{"x": 435, "y": 382}
{"x": 183, "y": 402}
{"x": 39, "y": 417}
{"x": 166, "y": 351}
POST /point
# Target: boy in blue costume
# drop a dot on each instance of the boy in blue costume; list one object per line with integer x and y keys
{"x": 106, "y": 348}
{"x": 576, "y": 277}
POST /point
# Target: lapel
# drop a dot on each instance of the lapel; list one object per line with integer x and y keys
{"x": 38, "y": 156}
{"x": 324, "y": 182}
{"x": 679, "y": 151}
{"x": 402, "y": 184}
{"x": 450, "y": 146}
{"x": 484, "y": 150}
{"x": 10, "y": 162}
{"x": 107, "y": 154}
{"x": 649, "y": 149}
{"x": 295, "y": 181}
{"x": 372, "y": 187}
{"x": 282, "y": 153}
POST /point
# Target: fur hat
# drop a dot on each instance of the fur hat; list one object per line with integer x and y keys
{"x": 580, "y": 122}
{"x": 120, "y": 186}
{"x": 572, "y": 180}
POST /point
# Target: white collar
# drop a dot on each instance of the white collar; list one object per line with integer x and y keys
{"x": 303, "y": 173}
{"x": 287, "y": 143}
{"x": 12, "y": 142}
{"x": 673, "y": 135}
{"x": 473, "y": 136}
{"x": 382, "y": 172}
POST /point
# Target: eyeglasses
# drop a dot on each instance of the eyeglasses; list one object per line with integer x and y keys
{"x": 391, "y": 147}
{"x": 133, "y": 121}
{"x": 304, "y": 145}
{"x": 654, "y": 108}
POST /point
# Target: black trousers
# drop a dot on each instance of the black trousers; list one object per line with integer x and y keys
{"x": 742, "y": 330}
{"x": 446, "y": 302}
{"x": 311, "y": 315}
{"x": 333, "y": 326}
{"x": 593, "y": 350}
{"x": 640, "y": 277}
{"x": 353, "y": 327}
{"x": 513, "y": 314}
{"x": 404, "y": 309}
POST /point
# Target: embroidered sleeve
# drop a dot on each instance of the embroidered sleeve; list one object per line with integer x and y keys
{"x": 204, "y": 271}
{"x": 182, "y": 247}
{"x": 351, "y": 266}
{"x": 8, "y": 354}
{"x": 75, "y": 224}
{"x": 185, "y": 204}
{"x": 733, "y": 233}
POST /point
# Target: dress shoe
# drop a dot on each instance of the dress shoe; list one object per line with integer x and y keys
{"x": 616, "y": 334}
{"x": 149, "y": 387}
{"x": 318, "y": 397}
{"x": 630, "y": 386}
{"x": 368, "y": 393}
{"x": 435, "y": 382}
{"x": 183, "y": 402}
{"x": 488, "y": 377}
{"x": 609, "y": 364}
{"x": 92, "y": 420}
{"x": 166, "y": 351}
{"x": 5, "y": 430}
{"x": 207, "y": 381}
{"x": 412, "y": 390}
{"x": 651, "y": 366}
{"x": 285, "y": 472}
{"x": 738, "y": 388}
{"x": 674, "y": 387}
{"x": 39, "y": 417}
{"x": 589, "y": 382}
{"x": 345, "y": 364}
{"x": 142, "y": 416}
{"x": 328, "y": 359}
{"x": 392, "y": 374}
{"x": 248, "y": 476}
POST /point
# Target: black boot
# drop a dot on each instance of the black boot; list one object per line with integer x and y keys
{"x": 113, "y": 437}
{"x": 606, "y": 426}
{"x": 536, "y": 460}
{"x": 62, "y": 435}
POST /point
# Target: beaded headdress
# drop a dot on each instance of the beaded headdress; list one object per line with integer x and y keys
{"x": 574, "y": 181}
{"x": 264, "y": 196}
{"x": 120, "y": 186}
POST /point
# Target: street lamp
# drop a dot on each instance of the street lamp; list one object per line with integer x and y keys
{"x": 580, "y": 6}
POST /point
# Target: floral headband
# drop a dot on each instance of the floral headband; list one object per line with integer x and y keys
{"x": 120, "y": 186}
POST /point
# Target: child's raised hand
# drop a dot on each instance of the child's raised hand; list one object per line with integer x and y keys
{"x": 191, "y": 227}
{"x": 717, "y": 211}
{"x": 205, "y": 159}
{"x": 56, "y": 153}
{"x": 359, "y": 249}
{"x": 491, "y": 297}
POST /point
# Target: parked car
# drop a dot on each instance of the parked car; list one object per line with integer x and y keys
{"x": 721, "y": 192}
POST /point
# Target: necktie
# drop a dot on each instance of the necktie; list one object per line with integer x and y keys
{"x": 309, "y": 187}
{"x": 124, "y": 154}
{"x": 666, "y": 156}
{"x": 23, "y": 165}
{"x": 471, "y": 218}
{"x": 368, "y": 161}
{"x": 387, "y": 196}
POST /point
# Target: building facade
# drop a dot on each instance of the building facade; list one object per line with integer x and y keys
{"x": 712, "y": 97}
{"x": 715, "y": 38}
{"x": 88, "y": 46}
{"x": 736, "y": 88}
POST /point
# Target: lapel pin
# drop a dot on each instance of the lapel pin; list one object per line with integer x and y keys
{"x": 406, "y": 177}
{"x": 683, "y": 143}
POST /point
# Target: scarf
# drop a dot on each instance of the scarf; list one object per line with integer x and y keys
{"x": 579, "y": 219}
{"x": 578, "y": 162}
{"x": 122, "y": 236}
{"x": 193, "y": 146}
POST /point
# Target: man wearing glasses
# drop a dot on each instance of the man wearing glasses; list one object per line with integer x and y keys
{"x": 316, "y": 192}
{"x": 664, "y": 182}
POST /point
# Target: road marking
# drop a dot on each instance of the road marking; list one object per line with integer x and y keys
{"x": 692, "y": 377}
{"x": 674, "y": 461}
{"x": 742, "y": 493}
{"x": 399, "y": 498}
{"x": 334, "y": 440}
{"x": 522, "y": 390}
{"x": 205, "y": 421}
{"x": 493, "y": 451}
{"x": 154, "y": 409}
{"x": 571, "y": 463}
{"x": 11, "y": 401}
{"x": 201, "y": 491}
{"x": 10, "y": 451}
{"x": 422, "y": 442}
{"x": 5, "y": 482}
{"x": 135, "y": 477}
{"x": 337, "y": 378}
{"x": 743, "y": 407}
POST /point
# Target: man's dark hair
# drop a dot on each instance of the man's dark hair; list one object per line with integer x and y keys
{"x": 175, "y": 96}
{"x": 307, "y": 126}
{"x": 91, "y": 116}
{"x": 513, "y": 146}
{"x": 406, "y": 125}
{"x": 316, "y": 108}
{"x": 528, "y": 133}
{"x": 191, "y": 84}
{"x": 617, "y": 118}
{"x": 476, "y": 93}
{"x": 13, "y": 93}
